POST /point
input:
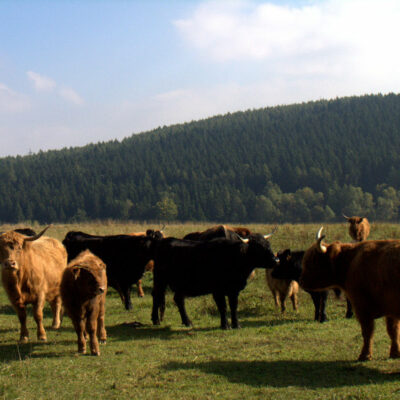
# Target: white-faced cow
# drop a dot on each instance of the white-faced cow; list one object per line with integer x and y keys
{"x": 31, "y": 273}
{"x": 369, "y": 274}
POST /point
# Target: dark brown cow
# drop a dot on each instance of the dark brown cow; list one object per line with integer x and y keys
{"x": 83, "y": 292}
{"x": 359, "y": 228}
{"x": 369, "y": 273}
{"x": 218, "y": 231}
{"x": 150, "y": 264}
{"x": 31, "y": 273}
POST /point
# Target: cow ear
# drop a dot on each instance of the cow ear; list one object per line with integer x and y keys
{"x": 76, "y": 272}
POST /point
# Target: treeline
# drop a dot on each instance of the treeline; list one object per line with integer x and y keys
{"x": 298, "y": 163}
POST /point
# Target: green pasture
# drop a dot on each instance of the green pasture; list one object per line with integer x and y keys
{"x": 271, "y": 357}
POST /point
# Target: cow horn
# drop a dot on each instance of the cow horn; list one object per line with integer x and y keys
{"x": 163, "y": 227}
{"x": 345, "y": 216}
{"x": 32, "y": 238}
{"x": 244, "y": 240}
{"x": 272, "y": 232}
{"x": 319, "y": 239}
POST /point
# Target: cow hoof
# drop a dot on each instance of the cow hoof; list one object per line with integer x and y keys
{"x": 349, "y": 315}
{"x": 42, "y": 339}
{"x": 225, "y": 327}
{"x": 95, "y": 353}
{"x": 82, "y": 351}
{"x": 23, "y": 340}
{"x": 236, "y": 326}
{"x": 103, "y": 341}
{"x": 365, "y": 357}
{"x": 394, "y": 354}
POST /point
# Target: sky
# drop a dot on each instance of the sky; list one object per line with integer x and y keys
{"x": 84, "y": 71}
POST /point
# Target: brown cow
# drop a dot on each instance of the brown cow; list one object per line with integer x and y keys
{"x": 31, "y": 274}
{"x": 369, "y": 273}
{"x": 150, "y": 264}
{"x": 358, "y": 228}
{"x": 282, "y": 289}
{"x": 83, "y": 292}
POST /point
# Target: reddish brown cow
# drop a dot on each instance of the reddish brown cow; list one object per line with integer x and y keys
{"x": 83, "y": 292}
{"x": 369, "y": 273}
{"x": 359, "y": 228}
{"x": 150, "y": 264}
{"x": 31, "y": 273}
{"x": 281, "y": 289}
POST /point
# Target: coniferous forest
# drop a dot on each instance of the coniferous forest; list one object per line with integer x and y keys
{"x": 298, "y": 163}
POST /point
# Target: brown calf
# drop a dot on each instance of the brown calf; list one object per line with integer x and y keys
{"x": 83, "y": 292}
{"x": 281, "y": 289}
{"x": 359, "y": 228}
{"x": 369, "y": 273}
{"x": 31, "y": 273}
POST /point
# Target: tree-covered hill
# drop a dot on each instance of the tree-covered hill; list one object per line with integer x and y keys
{"x": 298, "y": 163}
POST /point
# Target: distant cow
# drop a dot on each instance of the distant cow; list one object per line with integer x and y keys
{"x": 219, "y": 267}
{"x": 150, "y": 264}
{"x": 289, "y": 268}
{"x": 31, "y": 273}
{"x": 369, "y": 273}
{"x": 83, "y": 292}
{"x": 359, "y": 228}
{"x": 126, "y": 257}
{"x": 218, "y": 231}
{"x": 281, "y": 289}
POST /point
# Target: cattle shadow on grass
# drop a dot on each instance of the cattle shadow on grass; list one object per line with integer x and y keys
{"x": 283, "y": 373}
{"x": 6, "y": 309}
{"x": 129, "y": 331}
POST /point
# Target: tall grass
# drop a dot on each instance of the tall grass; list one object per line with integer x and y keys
{"x": 272, "y": 356}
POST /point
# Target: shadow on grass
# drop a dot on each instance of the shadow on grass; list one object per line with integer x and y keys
{"x": 283, "y": 373}
{"x": 129, "y": 331}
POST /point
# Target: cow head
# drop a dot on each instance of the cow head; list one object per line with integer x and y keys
{"x": 288, "y": 268}
{"x": 317, "y": 267}
{"x": 259, "y": 250}
{"x": 89, "y": 273}
{"x": 12, "y": 244}
{"x": 358, "y": 228}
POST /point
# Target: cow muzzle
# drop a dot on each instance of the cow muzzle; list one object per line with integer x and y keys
{"x": 10, "y": 264}
{"x": 100, "y": 290}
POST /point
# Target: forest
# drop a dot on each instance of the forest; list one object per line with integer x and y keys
{"x": 309, "y": 162}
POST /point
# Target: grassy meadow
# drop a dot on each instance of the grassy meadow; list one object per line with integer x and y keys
{"x": 271, "y": 357}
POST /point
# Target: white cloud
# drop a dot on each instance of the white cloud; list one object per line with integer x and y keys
{"x": 40, "y": 82}
{"x": 11, "y": 101}
{"x": 71, "y": 96}
{"x": 357, "y": 38}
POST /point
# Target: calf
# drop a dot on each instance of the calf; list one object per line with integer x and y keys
{"x": 219, "y": 267}
{"x": 359, "y": 228}
{"x": 83, "y": 292}
{"x": 126, "y": 257}
{"x": 31, "y": 273}
{"x": 282, "y": 289}
{"x": 369, "y": 273}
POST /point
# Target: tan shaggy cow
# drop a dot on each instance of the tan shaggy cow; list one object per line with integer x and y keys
{"x": 369, "y": 273}
{"x": 359, "y": 228}
{"x": 32, "y": 267}
{"x": 281, "y": 289}
{"x": 83, "y": 292}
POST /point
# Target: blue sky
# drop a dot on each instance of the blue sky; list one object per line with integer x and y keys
{"x": 77, "y": 72}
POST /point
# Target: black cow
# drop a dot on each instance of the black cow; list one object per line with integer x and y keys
{"x": 126, "y": 257}
{"x": 219, "y": 267}
{"x": 290, "y": 267}
{"x": 219, "y": 231}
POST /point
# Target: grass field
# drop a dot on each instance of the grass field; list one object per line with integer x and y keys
{"x": 271, "y": 357}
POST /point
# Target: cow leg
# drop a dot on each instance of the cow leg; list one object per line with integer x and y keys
{"x": 91, "y": 329}
{"x": 56, "y": 307}
{"x": 367, "y": 329}
{"x": 180, "y": 302}
{"x": 282, "y": 298}
{"x": 294, "y": 301}
{"x": 140, "y": 292}
{"x": 221, "y": 304}
{"x": 24, "y": 334}
{"x": 158, "y": 294}
{"x": 349, "y": 310}
{"x": 392, "y": 327}
{"x": 80, "y": 329}
{"x": 38, "y": 316}
{"x": 101, "y": 328}
{"x": 127, "y": 296}
{"x": 233, "y": 303}
{"x": 322, "y": 306}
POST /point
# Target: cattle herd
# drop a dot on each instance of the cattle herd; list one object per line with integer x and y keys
{"x": 73, "y": 276}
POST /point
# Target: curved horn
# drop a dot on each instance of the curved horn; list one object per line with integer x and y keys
{"x": 345, "y": 216}
{"x": 319, "y": 239}
{"x": 32, "y": 238}
{"x": 272, "y": 232}
{"x": 244, "y": 240}
{"x": 163, "y": 227}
